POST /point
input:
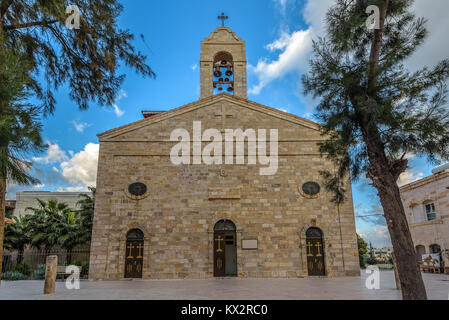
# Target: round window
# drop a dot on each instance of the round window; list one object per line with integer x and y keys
{"x": 311, "y": 188}
{"x": 137, "y": 189}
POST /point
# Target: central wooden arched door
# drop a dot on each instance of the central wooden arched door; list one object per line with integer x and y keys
{"x": 315, "y": 252}
{"x": 225, "y": 249}
{"x": 134, "y": 254}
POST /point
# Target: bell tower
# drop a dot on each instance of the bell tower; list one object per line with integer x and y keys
{"x": 223, "y": 63}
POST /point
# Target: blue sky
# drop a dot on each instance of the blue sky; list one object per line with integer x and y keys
{"x": 278, "y": 35}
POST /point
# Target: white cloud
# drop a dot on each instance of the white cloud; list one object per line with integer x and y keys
{"x": 121, "y": 95}
{"x": 409, "y": 176}
{"x": 378, "y": 236}
{"x": 194, "y": 67}
{"x": 436, "y": 46}
{"x": 54, "y": 155}
{"x": 73, "y": 189}
{"x": 80, "y": 126}
{"x": 296, "y": 46}
{"x": 118, "y": 112}
{"x": 81, "y": 169}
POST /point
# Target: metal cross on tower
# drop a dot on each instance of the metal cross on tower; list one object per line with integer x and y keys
{"x": 223, "y": 18}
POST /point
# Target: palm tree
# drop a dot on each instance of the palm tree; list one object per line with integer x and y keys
{"x": 17, "y": 236}
{"x": 45, "y": 224}
{"x": 71, "y": 233}
{"x": 20, "y": 129}
{"x": 87, "y": 207}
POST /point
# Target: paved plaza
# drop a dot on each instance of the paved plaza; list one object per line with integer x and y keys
{"x": 227, "y": 289}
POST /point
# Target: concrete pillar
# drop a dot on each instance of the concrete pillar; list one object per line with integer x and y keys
{"x": 50, "y": 274}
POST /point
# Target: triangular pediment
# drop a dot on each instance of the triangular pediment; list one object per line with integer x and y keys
{"x": 201, "y": 106}
{"x": 222, "y": 34}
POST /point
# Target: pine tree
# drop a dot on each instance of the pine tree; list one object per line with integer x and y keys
{"x": 376, "y": 113}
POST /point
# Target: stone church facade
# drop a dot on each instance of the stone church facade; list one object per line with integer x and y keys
{"x": 158, "y": 220}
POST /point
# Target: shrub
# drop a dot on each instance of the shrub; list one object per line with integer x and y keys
{"x": 78, "y": 262}
{"x": 14, "y": 276}
{"x": 39, "y": 273}
{"x": 23, "y": 268}
{"x": 85, "y": 269}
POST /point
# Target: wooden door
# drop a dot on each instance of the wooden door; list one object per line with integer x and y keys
{"x": 315, "y": 257}
{"x": 219, "y": 254}
{"x": 230, "y": 255}
{"x": 134, "y": 259}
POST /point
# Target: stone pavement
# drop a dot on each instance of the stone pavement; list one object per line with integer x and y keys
{"x": 226, "y": 289}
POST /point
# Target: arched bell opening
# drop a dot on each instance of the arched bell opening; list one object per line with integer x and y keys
{"x": 223, "y": 73}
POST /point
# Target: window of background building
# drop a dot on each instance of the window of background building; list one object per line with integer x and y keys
{"x": 430, "y": 211}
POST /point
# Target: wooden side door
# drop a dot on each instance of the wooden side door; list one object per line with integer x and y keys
{"x": 315, "y": 257}
{"x": 230, "y": 254}
{"x": 219, "y": 255}
{"x": 134, "y": 259}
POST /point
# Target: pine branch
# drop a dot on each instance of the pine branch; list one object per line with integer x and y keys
{"x": 30, "y": 24}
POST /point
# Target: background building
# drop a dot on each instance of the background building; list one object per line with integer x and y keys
{"x": 426, "y": 203}
{"x": 28, "y": 199}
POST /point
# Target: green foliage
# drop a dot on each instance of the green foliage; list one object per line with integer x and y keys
{"x": 363, "y": 251}
{"x": 376, "y": 111}
{"x": 85, "y": 269}
{"x": 53, "y": 223}
{"x": 84, "y": 266}
{"x": 78, "y": 262}
{"x": 14, "y": 276}
{"x": 23, "y": 268}
{"x": 45, "y": 223}
{"x": 87, "y": 60}
{"x": 17, "y": 236}
{"x": 39, "y": 273}
{"x": 20, "y": 129}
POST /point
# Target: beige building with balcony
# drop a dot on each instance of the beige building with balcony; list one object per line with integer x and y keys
{"x": 426, "y": 203}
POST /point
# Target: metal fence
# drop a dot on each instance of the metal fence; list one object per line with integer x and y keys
{"x": 35, "y": 260}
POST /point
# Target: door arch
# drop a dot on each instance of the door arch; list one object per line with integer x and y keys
{"x": 134, "y": 254}
{"x": 225, "y": 249}
{"x": 420, "y": 251}
{"x": 315, "y": 252}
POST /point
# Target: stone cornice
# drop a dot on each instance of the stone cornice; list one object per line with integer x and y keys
{"x": 204, "y": 103}
{"x": 424, "y": 181}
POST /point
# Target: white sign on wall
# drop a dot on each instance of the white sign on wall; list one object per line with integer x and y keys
{"x": 250, "y": 244}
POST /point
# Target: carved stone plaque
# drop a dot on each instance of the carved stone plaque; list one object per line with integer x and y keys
{"x": 250, "y": 244}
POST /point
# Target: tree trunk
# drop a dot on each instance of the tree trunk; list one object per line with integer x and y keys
{"x": 396, "y": 273}
{"x": 376, "y": 46}
{"x": 2, "y": 220}
{"x": 69, "y": 257}
{"x": 20, "y": 256}
{"x": 380, "y": 172}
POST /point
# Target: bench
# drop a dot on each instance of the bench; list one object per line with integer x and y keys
{"x": 430, "y": 269}
{"x": 60, "y": 271}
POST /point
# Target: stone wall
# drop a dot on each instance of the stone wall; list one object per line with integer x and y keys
{"x": 184, "y": 202}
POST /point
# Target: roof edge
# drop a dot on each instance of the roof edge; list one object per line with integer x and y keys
{"x": 306, "y": 122}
